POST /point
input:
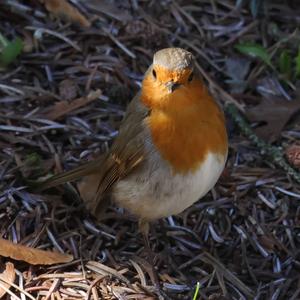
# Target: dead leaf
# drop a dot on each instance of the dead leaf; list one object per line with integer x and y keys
{"x": 274, "y": 114}
{"x": 31, "y": 255}
{"x": 237, "y": 69}
{"x": 267, "y": 242}
{"x": 64, "y": 9}
{"x": 68, "y": 89}
{"x": 7, "y": 277}
{"x": 28, "y": 42}
{"x": 62, "y": 108}
{"x": 293, "y": 155}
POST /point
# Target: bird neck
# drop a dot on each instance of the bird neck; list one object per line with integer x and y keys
{"x": 185, "y": 125}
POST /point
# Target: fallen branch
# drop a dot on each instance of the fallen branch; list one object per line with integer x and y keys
{"x": 273, "y": 152}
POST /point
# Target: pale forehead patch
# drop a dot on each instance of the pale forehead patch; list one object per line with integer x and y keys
{"x": 173, "y": 58}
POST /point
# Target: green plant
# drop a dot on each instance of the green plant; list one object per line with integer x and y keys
{"x": 9, "y": 50}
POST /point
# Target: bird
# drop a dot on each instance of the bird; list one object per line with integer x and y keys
{"x": 170, "y": 150}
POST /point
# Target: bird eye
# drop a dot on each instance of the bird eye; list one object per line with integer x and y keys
{"x": 154, "y": 73}
{"x": 191, "y": 77}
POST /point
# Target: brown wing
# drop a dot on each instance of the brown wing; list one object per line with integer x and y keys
{"x": 126, "y": 153}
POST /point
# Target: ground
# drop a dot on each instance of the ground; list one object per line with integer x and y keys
{"x": 61, "y": 102}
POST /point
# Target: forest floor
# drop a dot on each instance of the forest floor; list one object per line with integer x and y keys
{"x": 61, "y": 102}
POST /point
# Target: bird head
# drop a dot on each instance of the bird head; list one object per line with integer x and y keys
{"x": 170, "y": 75}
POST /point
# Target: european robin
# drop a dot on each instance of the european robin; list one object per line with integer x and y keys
{"x": 170, "y": 150}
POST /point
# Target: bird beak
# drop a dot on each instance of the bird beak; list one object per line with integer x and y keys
{"x": 172, "y": 86}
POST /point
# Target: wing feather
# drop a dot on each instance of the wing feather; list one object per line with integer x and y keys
{"x": 126, "y": 154}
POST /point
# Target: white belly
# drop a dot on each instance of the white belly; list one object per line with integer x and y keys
{"x": 156, "y": 192}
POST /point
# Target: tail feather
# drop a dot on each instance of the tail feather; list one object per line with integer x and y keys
{"x": 78, "y": 172}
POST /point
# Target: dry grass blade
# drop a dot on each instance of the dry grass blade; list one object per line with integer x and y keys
{"x": 208, "y": 258}
{"x": 105, "y": 270}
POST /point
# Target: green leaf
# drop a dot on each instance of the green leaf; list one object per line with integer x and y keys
{"x": 285, "y": 63}
{"x": 33, "y": 159}
{"x": 297, "y": 59}
{"x": 196, "y": 291}
{"x": 9, "y": 50}
{"x": 256, "y": 51}
{"x": 3, "y": 42}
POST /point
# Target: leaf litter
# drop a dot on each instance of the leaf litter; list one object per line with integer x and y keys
{"x": 275, "y": 114}
{"x": 239, "y": 242}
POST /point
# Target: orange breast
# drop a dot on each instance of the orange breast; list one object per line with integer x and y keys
{"x": 185, "y": 125}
